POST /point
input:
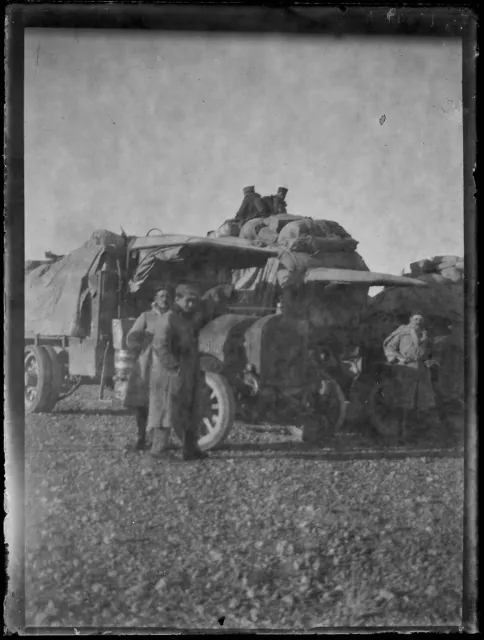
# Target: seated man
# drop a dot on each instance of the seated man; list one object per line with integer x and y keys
{"x": 252, "y": 206}
{"x": 276, "y": 204}
{"x": 409, "y": 346}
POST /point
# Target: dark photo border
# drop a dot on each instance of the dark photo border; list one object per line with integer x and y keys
{"x": 314, "y": 20}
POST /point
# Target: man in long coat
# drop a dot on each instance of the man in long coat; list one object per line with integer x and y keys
{"x": 252, "y": 206}
{"x": 139, "y": 342}
{"x": 176, "y": 379}
{"x": 410, "y": 346}
{"x": 276, "y": 204}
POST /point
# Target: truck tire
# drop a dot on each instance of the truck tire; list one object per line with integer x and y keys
{"x": 332, "y": 402}
{"x": 381, "y": 410}
{"x": 218, "y": 411}
{"x": 37, "y": 379}
{"x": 57, "y": 377}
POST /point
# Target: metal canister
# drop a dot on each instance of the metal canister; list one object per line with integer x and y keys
{"x": 121, "y": 328}
{"x": 123, "y": 363}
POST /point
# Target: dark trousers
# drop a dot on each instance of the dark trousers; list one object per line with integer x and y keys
{"x": 141, "y": 422}
{"x": 190, "y": 439}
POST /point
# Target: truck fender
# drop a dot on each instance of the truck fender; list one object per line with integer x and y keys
{"x": 209, "y": 362}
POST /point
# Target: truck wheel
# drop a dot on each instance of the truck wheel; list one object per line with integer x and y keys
{"x": 37, "y": 379}
{"x": 57, "y": 377}
{"x": 381, "y": 410}
{"x": 218, "y": 411}
{"x": 331, "y": 402}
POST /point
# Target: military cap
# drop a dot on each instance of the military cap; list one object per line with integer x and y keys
{"x": 187, "y": 291}
{"x": 247, "y": 190}
{"x": 282, "y": 190}
{"x": 162, "y": 287}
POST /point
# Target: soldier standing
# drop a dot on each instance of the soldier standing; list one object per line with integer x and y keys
{"x": 139, "y": 341}
{"x": 410, "y": 347}
{"x": 252, "y": 206}
{"x": 176, "y": 379}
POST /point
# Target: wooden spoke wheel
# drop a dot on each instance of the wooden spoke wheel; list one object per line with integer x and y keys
{"x": 331, "y": 403}
{"x": 70, "y": 384}
{"x": 248, "y": 399}
{"x": 382, "y": 409}
{"x": 57, "y": 375}
{"x": 218, "y": 411}
{"x": 39, "y": 391}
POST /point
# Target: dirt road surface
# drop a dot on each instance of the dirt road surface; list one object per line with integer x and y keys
{"x": 268, "y": 534}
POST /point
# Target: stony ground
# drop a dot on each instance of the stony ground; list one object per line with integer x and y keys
{"x": 267, "y": 534}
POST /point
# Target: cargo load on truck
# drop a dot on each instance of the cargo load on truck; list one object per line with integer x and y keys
{"x": 56, "y": 291}
{"x": 79, "y": 308}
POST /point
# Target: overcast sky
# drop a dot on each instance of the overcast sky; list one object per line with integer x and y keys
{"x": 151, "y": 129}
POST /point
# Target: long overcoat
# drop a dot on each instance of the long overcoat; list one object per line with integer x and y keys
{"x": 275, "y": 205}
{"x": 176, "y": 379}
{"x": 414, "y": 389}
{"x": 252, "y": 207}
{"x": 139, "y": 341}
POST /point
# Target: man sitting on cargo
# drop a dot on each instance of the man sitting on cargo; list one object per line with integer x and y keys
{"x": 252, "y": 206}
{"x": 409, "y": 345}
{"x": 276, "y": 204}
{"x": 139, "y": 341}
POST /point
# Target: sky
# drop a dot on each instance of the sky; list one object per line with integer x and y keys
{"x": 142, "y": 129}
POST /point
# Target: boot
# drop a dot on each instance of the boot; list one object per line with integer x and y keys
{"x": 160, "y": 445}
{"x": 141, "y": 420}
{"x": 191, "y": 450}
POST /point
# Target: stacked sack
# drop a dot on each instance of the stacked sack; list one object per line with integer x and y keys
{"x": 228, "y": 228}
{"x": 438, "y": 270}
{"x": 296, "y": 233}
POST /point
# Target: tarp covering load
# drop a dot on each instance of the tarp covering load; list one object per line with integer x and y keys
{"x": 54, "y": 292}
{"x": 297, "y": 233}
{"x": 304, "y": 244}
{"x": 230, "y": 228}
{"x": 257, "y": 286}
{"x": 308, "y": 235}
{"x": 206, "y": 262}
{"x": 262, "y": 286}
{"x": 439, "y": 269}
{"x": 105, "y": 238}
{"x": 30, "y": 265}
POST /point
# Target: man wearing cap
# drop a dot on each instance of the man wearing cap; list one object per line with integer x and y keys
{"x": 175, "y": 381}
{"x": 139, "y": 342}
{"x": 276, "y": 204}
{"x": 252, "y": 206}
{"x": 410, "y": 347}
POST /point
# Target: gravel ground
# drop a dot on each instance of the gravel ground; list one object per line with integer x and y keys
{"x": 267, "y": 534}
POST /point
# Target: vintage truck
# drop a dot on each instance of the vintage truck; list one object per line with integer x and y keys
{"x": 255, "y": 358}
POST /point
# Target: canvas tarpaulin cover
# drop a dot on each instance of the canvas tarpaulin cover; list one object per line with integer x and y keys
{"x": 439, "y": 300}
{"x": 259, "y": 286}
{"x": 104, "y": 238}
{"x": 205, "y": 261}
{"x": 441, "y": 304}
{"x": 53, "y": 293}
